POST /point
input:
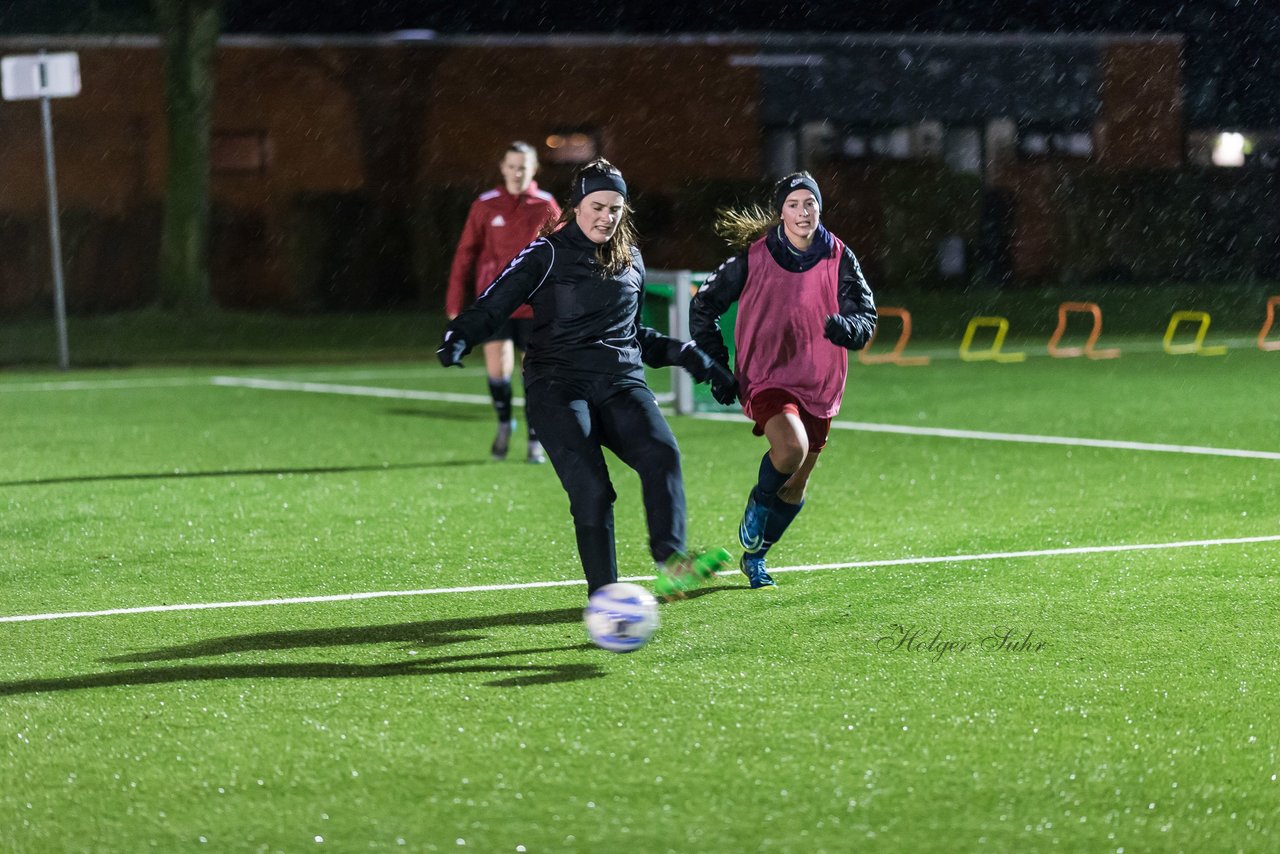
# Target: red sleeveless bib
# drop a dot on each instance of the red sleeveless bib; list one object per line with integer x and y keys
{"x": 778, "y": 333}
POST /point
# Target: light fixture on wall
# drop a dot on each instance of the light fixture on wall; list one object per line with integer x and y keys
{"x": 579, "y": 146}
{"x": 1229, "y": 149}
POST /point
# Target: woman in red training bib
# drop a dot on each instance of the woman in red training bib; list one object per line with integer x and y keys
{"x": 802, "y": 304}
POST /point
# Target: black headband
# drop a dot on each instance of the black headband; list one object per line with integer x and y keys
{"x": 790, "y": 184}
{"x": 595, "y": 180}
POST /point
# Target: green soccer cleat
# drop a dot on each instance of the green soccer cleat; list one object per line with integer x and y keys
{"x": 684, "y": 572}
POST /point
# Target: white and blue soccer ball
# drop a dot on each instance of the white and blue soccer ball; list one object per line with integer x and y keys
{"x": 621, "y": 617}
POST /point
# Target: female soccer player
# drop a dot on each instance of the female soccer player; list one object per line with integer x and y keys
{"x": 802, "y": 301}
{"x": 500, "y": 223}
{"x": 583, "y": 377}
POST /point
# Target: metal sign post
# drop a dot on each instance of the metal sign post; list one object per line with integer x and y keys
{"x": 45, "y": 76}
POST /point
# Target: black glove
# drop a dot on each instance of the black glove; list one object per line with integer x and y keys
{"x": 450, "y": 353}
{"x": 836, "y": 331}
{"x": 697, "y": 363}
{"x": 724, "y": 386}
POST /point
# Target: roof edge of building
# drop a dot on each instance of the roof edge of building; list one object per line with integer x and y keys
{"x": 762, "y": 40}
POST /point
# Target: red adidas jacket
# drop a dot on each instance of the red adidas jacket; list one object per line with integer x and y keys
{"x": 499, "y": 225}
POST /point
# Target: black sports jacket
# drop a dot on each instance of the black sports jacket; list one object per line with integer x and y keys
{"x": 586, "y": 324}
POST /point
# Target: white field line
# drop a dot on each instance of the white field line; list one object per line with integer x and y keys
{"x": 1026, "y": 438}
{"x": 370, "y": 391}
{"x": 356, "y": 390}
{"x": 532, "y": 585}
{"x": 1033, "y": 439}
{"x": 448, "y": 397}
{"x": 866, "y": 427}
{"x": 96, "y": 385}
{"x": 176, "y": 382}
{"x": 416, "y": 371}
{"x": 1031, "y": 349}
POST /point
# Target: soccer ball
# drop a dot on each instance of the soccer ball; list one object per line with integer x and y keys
{"x": 621, "y": 616}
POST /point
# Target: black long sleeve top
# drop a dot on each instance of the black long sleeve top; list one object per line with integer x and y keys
{"x": 586, "y": 323}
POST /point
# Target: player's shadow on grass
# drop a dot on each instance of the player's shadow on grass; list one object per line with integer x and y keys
{"x": 410, "y": 636}
{"x": 171, "y": 475}
{"x": 722, "y": 586}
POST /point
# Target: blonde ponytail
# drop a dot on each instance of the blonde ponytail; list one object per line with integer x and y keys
{"x": 740, "y": 226}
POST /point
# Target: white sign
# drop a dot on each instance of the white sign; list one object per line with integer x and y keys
{"x": 42, "y": 75}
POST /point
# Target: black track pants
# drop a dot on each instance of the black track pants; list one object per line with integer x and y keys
{"x": 574, "y": 424}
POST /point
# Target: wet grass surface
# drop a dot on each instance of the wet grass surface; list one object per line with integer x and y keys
{"x": 1036, "y": 693}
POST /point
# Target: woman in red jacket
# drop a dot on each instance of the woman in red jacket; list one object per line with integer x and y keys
{"x": 501, "y": 222}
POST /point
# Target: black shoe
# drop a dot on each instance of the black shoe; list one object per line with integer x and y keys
{"x": 502, "y": 441}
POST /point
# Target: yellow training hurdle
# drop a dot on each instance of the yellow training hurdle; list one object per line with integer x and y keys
{"x": 993, "y": 353}
{"x": 1197, "y": 347}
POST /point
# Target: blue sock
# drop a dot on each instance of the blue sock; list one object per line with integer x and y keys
{"x": 780, "y": 516}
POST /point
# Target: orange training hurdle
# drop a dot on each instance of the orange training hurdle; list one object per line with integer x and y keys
{"x": 1087, "y": 350}
{"x": 895, "y": 356}
{"x": 1263, "y": 343}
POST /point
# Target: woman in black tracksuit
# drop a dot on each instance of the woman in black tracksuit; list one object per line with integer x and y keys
{"x": 583, "y": 373}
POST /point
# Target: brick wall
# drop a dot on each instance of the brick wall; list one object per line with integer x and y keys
{"x": 387, "y": 124}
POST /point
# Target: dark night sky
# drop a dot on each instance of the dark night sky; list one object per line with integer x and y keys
{"x": 1244, "y": 18}
{"x": 1232, "y": 56}
{"x": 1207, "y": 17}
{"x": 583, "y": 16}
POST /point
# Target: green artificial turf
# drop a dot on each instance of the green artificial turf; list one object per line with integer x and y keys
{"x": 1062, "y": 700}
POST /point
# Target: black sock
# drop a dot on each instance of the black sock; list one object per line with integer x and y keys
{"x": 769, "y": 481}
{"x": 500, "y": 391}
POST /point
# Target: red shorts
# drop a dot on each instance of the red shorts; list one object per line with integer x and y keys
{"x": 775, "y": 401}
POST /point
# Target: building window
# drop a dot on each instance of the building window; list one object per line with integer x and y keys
{"x": 925, "y": 140}
{"x": 962, "y": 150}
{"x": 781, "y": 151}
{"x": 878, "y": 144}
{"x": 239, "y": 153}
{"x": 891, "y": 144}
{"x": 572, "y": 146}
{"x": 1053, "y": 142}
